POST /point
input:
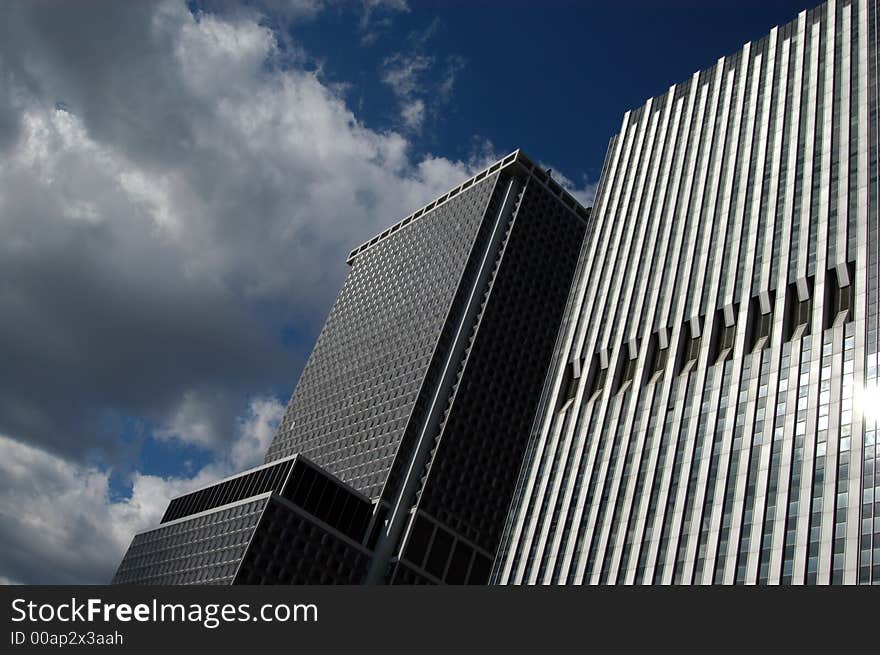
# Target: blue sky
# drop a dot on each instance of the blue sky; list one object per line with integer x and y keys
{"x": 181, "y": 184}
{"x": 553, "y": 77}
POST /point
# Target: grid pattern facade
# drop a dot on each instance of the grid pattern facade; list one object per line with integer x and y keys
{"x": 296, "y": 479}
{"x": 416, "y": 400}
{"x": 437, "y": 555}
{"x": 357, "y": 392}
{"x": 290, "y": 547}
{"x": 475, "y": 433}
{"x": 263, "y": 540}
{"x": 245, "y": 485}
{"x": 202, "y": 549}
{"x": 285, "y": 523}
{"x": 462, "y": 314}
{"x": 472, "y": 473}
{"x": 708, "y": 418}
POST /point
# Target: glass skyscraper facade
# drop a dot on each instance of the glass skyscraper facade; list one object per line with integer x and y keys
{"x": 397, "y": 457}
{"x": 711, "y": 411}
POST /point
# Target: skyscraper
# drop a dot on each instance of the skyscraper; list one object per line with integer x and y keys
{"x": 399, "y": 450}
{"x": 712, "y": 411}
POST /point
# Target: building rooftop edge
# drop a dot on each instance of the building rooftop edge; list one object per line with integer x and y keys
{"x": 296, "y": 456}
{"x": 804, "y": 14}
{"x": 517, "y": 157}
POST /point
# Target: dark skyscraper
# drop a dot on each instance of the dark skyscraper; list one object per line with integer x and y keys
{"x": 398, "y": 454}
{"x": 712, "y": 414}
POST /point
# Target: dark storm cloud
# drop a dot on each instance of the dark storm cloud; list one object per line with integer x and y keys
{"x": 174, "y": 195}
{"x": 93, "y": 326}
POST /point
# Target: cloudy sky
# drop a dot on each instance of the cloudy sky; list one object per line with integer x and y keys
{"x": 180, "y": 184}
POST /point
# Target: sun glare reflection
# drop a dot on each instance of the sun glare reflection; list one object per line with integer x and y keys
{"x": 867, "y": 401}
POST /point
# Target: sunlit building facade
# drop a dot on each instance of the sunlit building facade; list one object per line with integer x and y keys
{"x": 711, "y": 415}
{"x": 398, "y": 454}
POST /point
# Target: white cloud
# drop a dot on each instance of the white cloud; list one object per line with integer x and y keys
{"x": 403, "y": 73}
{"x": 413, "y": 114}
{"x": 454, "y": 65}
{"x": 164, "y": 216}
{"x": 197, "y": 420}
{"x": 61, "y": 524}
{"x": 413, "y": 77}
{"x": 165, "y": 224}
{"x": 256, "y": 430}
{"x": 376, "y": 17}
